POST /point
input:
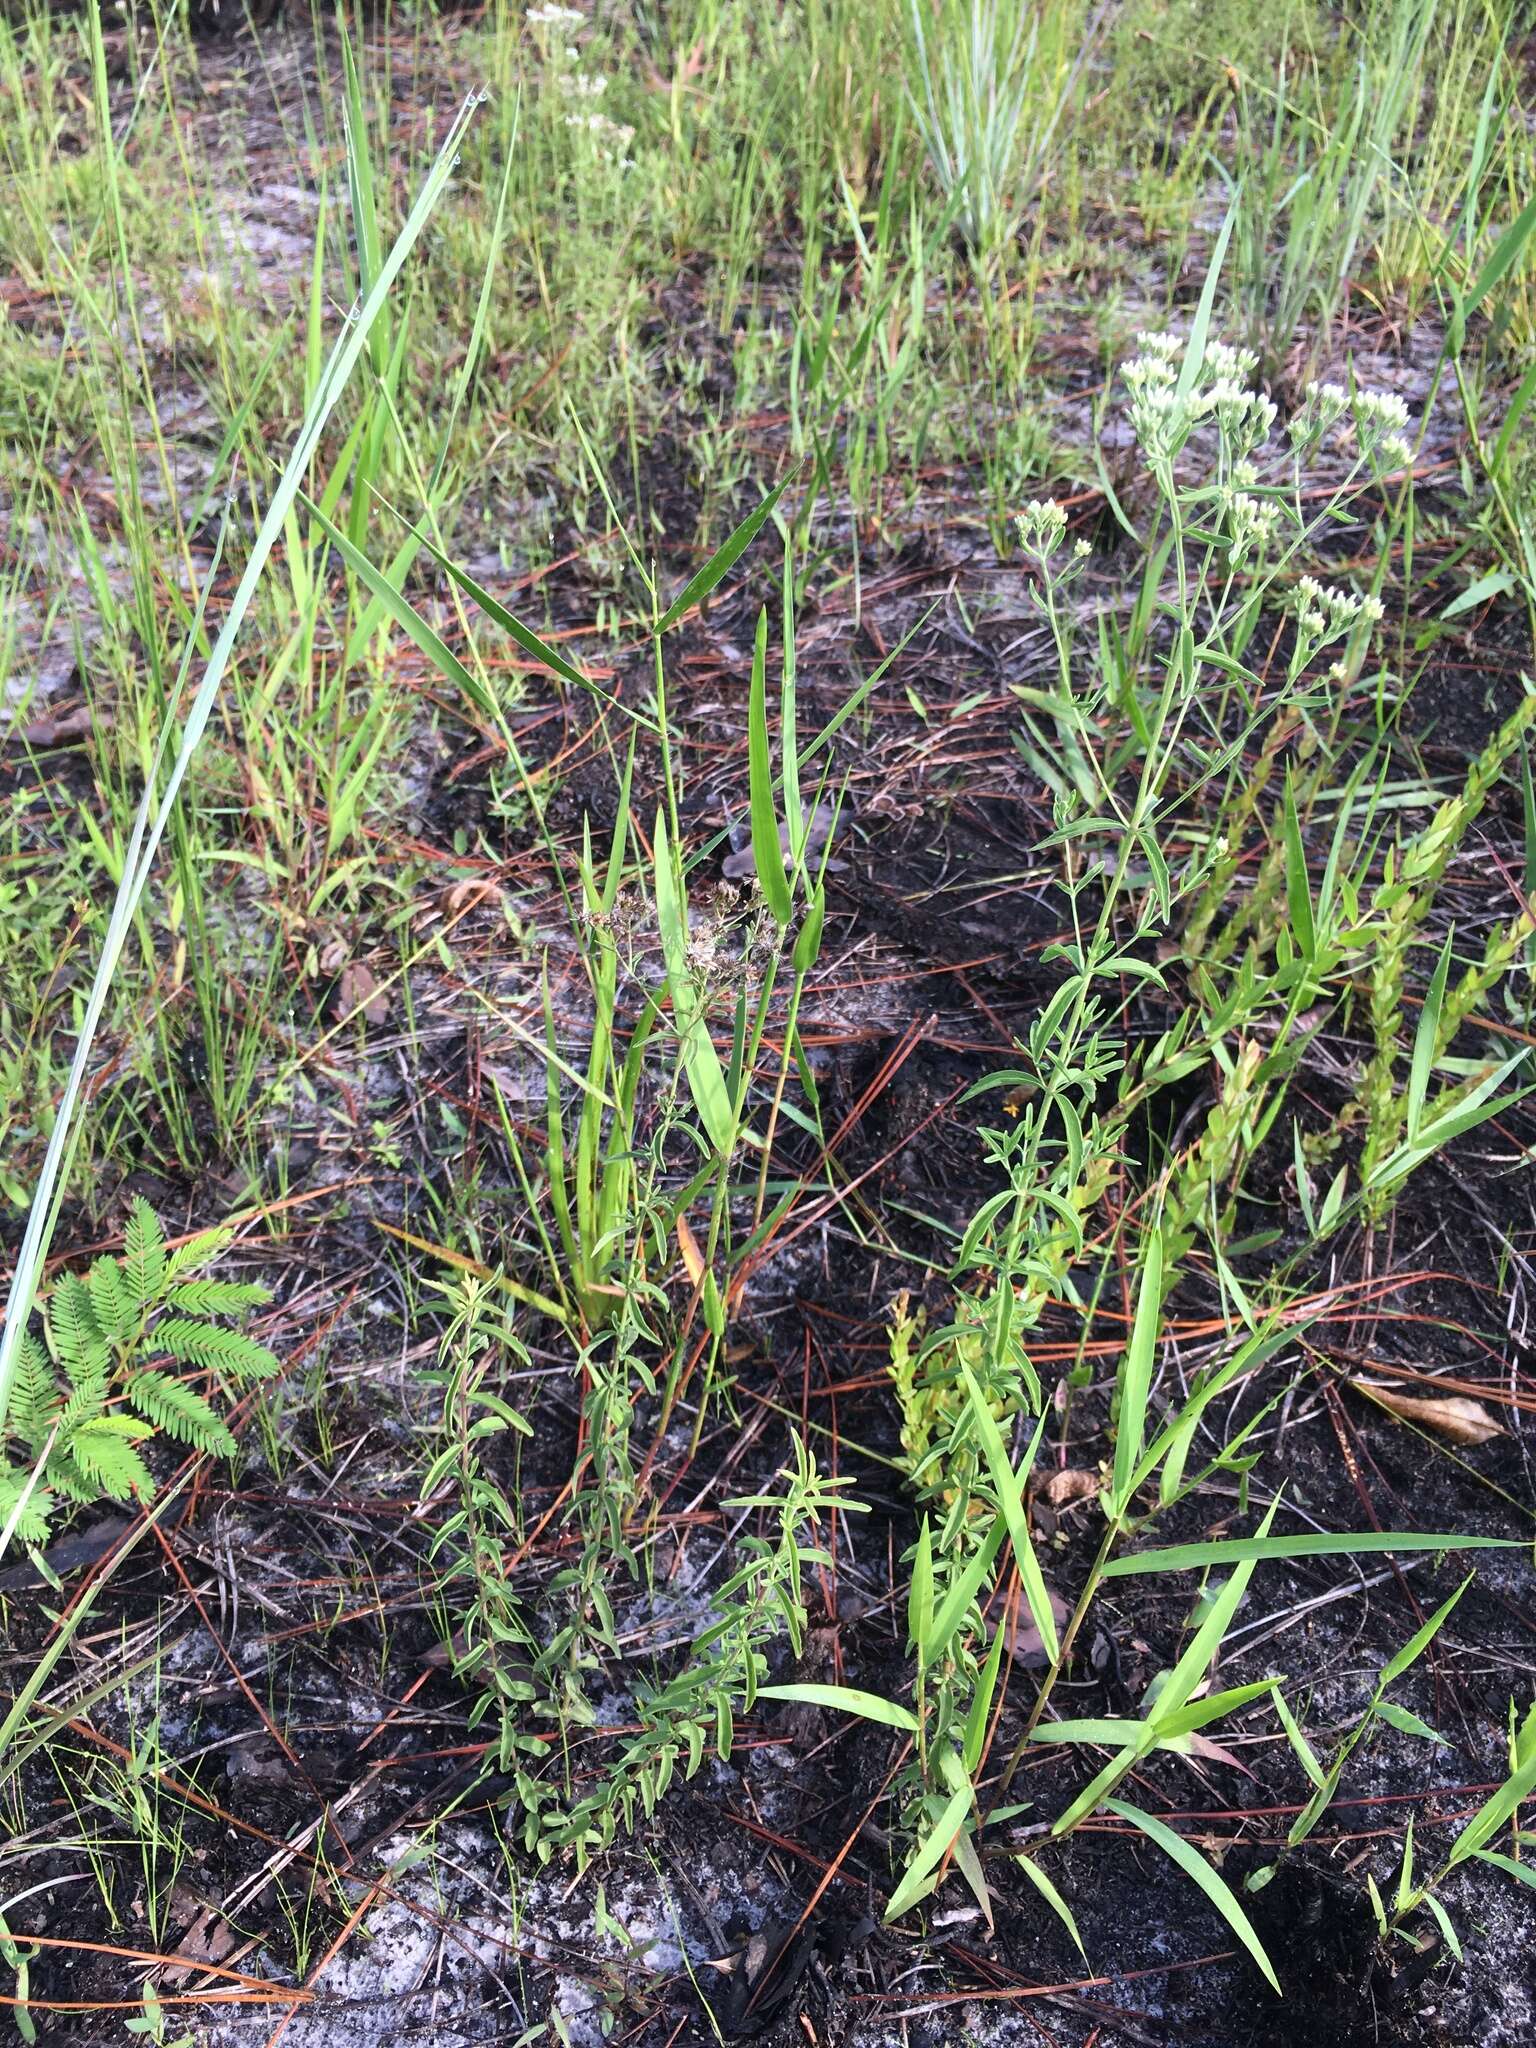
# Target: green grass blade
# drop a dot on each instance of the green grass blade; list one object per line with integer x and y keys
{"x": 1053, "y": 1899}
{"x": 845, "y": 1699}
{"x": 1420, "y": 1640}
{"x": 1424, "y": 1040}
{"x": 406, "y": 616}
{"x": 701, "y": 1063}
{"x": 1010, "y": 1487}
{"x": 1210, "y": 1881}
{"x": 914, "y": 1883}
{"x": 150, "y": 824}
{"x": 767, "y": 847}
{"x": 725, "y": 557}
{"x": 1200, "y": 326}
{"x": 957, "y": 1600}
{"x": 1190, "y": 1557}
{"x": 1500, "y": 1807}
{"x": 1196, "y": 1661}
{"x": 1501, "y": 260}
{"x": 1136, "y": 1375}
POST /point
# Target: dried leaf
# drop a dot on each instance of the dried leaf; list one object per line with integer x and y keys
{"x": 693, "y": 1258}
{"x": 1024, "y": 1643}
{"x": 1453, "y": 1416}
{"x": 209, "y": 1939}
{"x": 64, "y": 726}
{"x": 1066, "y": 1486}
{"x": 462, "y": 897}
{"x": 357, "y": 990}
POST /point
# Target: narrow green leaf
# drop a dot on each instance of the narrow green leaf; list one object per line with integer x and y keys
{"x": 1197, "y": 1659}
{"x": 1188, "y": 1557}
{"x": 981, "y": 1704}
{"x": 767, "y": 847}
{"x": 845, "y": 1699}
{"x": 1304, "y": 1750}
{"x": 1010, "y": 1486}
{"x": 1525, "y": 1872}
{"x": 957, "y": 1600}
{"x": 1406, "y": 1723}
{"x": 1298, "y": 888}
{"x": 929, "y": 1853}
{"x": 1210, "y": 1881}
{"x": 725, "y": 557}
{"x": 1053, "y": 1899}
{"x": 406, "y": 616}
{"x": 920, "y": 1592}
{"x": 1420, "y": 1640}
{"x": 1136, "y": 1374}
{"x": 807, "y": 948}
{"x": 701, "y": 1063}
{"x": 1497, "y": 1809}
{"x": 1424, "y": 1040}
{"x": 1200, "y": 326}
{"x": 1501, "y": 260}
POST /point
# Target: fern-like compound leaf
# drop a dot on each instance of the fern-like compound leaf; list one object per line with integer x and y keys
{"x": 182, "y": 1413}
{"x": 144, "y": 1260}
{"x": 81, "y": 1348}
{"x": 229, "y": 1351}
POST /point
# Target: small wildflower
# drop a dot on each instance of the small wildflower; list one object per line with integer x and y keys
{"x": 1324, "y": 406}
{"x": 1167, "y": 346}
{"x": 1229, "y": 365}
{"x": 1324, "y": 615}
{"x": 1381, "y": 409}
{"x": 553, "y": 17}
{"x": 1243, "y": 417}
{"x": 1381, "y": 421}
{"x": 1253, "y": 522}
{"x": 1042, "y": 526}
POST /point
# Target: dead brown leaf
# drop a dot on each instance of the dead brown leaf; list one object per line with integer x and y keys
{"x": 358, "y": 989}
{"x": 1453, "y": 1416}
{"x": 64, "y": 726}
{"x": 1070, "y": 1484}
{"x": 209, "y": 1939}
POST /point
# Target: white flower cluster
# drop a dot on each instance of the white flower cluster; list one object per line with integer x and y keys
{"x": 1381, "y": 421}
{"x": 1235, "y": 365}
{"x": 580, "y": 89}
{"x": 1042, "y": 526}
{"x": 1323, "y": 615}
{"x": 1158, "y": 420}
{"x": 1243, "y": 417}
{"x": 1162, "y": 418}
{"x": 1253, "y": 522}
{"x": 615, "y": 136}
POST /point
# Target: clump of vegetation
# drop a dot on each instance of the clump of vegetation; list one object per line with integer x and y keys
{"x": 798, "y": 743}
{"x": 93, "y": 1387}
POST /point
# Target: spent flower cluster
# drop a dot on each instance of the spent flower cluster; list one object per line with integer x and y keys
{"x": 581, "y": 90}
{"x": 1252, "y": 523}
{"x": 1163, "y": 416}
{"x": 1379, "y": 420}
{"x": 1324, "y": 615}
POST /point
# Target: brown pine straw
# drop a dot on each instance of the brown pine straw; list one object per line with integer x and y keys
{"x": 242, "y": 1990}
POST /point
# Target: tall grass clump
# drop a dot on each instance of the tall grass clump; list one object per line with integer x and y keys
{"x": 990, "y": 83}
